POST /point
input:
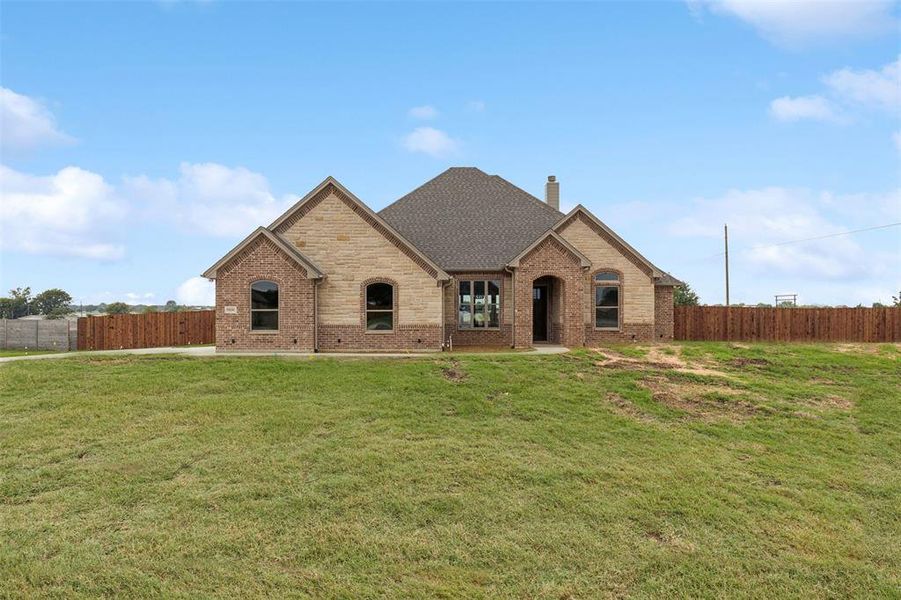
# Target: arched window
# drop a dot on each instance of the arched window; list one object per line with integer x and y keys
{"x": 379, "y": 307}
{"x": 264, "y": 306}
{"x": 607, "y": 299}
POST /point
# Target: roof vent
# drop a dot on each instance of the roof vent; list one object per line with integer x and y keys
{"x": 552, "y": 192}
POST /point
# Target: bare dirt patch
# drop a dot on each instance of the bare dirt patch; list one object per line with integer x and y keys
{"x": 670, "y": 539}
{"x": 107, "y": 361}
{"x": 862, "y": 348}
{"x": 626, "y": 408}
{"x": 830, "y": 402}
{"x": 744, "y": 362}
{"x": 700, "y": 400}
{"x": 454, "y": 373}
{"x": 656, "y": 360}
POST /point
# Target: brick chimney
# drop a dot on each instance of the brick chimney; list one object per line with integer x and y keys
{"x": 552, "y": 192}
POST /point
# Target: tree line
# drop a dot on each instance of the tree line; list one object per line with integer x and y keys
{"x": 57, "y": 304}
{"x": 685, "y": 296}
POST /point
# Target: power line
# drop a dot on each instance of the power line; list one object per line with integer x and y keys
{"x": 823, "y": 237}
{"x": 810, "y": 239}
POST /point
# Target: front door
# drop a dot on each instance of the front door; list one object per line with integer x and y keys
{"x": 539, "y": 313}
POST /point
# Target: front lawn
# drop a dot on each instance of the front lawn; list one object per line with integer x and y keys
{"x": 688, "y": 470}
{"x": 24, "y": 352}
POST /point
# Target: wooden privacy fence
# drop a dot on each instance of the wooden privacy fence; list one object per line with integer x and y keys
{"x": 149, "y": 330}
{"x": 751, "y": 324}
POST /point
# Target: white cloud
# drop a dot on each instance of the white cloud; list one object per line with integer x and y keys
{"x": 802, "y": 107}
{"x": 76, "y": 213}
{"x": 868, "y": 87}
{"x": 798, "y": 22}
{"x": 423, "y": 112}
{"x": 476, "y": 105}
{"x": 759, "y": 219}
{"x": 210, "y": 199}
{"x": 433, "y": 142}
{"x": 850, "y": 92}
{"x": 26, "y": 124}
{"x": 71, "y": 213}
{"x": 196, "y": 291}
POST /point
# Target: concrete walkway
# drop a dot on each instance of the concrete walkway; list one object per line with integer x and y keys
{"x": 210, "y": 352}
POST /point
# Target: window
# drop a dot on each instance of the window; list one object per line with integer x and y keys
{"x": 607, "y": 287}
{"x": 264, "y": 306}
{"x": 379, "y": 307}
{"x": 479, "y": 304}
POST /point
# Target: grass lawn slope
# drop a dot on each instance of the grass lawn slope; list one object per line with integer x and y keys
{"x": 686, "y": 470}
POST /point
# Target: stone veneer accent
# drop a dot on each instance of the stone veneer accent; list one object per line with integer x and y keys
{"x": 350, "y": 250}
{"x": 403, "y": 337}
{"x": 663, "y": 313}
{"x": 263, "y": 260}
{"x": 605, "y": 254}
{"x": 551, "y": 258}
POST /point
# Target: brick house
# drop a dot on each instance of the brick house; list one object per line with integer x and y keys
{"x": 467, "y": 259}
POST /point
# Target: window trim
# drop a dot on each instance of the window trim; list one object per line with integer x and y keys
{"x": 500, "y": 302}
{"x": 619, "y": 298}
{"x": 366, "y": 310}
{"x": 277, "y": 311}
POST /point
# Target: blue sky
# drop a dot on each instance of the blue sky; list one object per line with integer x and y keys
{"x": 141, "y": 141}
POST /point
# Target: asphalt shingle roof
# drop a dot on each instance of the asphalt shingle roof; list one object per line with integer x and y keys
{"x": 465, "y": 219}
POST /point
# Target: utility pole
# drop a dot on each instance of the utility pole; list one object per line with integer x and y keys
{"x": 726, "y": 241}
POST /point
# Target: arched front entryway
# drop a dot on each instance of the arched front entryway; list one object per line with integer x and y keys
{"x": 548, "y": 316}
{"x": 548, "y": 288}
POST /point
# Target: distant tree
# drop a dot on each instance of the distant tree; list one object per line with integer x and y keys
{"x": 117, "y": 308}
{"x": 171, "y": 306}
{"x": 685, "y": 296}
{"x": 60, "y": 312}
{"x": 150, "y": 309}
{"x": 50, "y": 300}
{"x": 896, "y": 300}
{"x": 18, "y": 304}
{"x": 878, "y": 305}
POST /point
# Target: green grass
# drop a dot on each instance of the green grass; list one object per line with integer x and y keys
{"x": 773, "y": 472}
{"x": 5, "y": 353}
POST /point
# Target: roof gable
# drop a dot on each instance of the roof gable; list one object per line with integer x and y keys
{"x": 313, "y": 271}
{"x": 660, "y": 277}
{"x": 330, "y": 186}
{"x": 585, "y": 262}
{"x": 465, "y": 219}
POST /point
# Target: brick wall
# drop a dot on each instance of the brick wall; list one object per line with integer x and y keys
{"x": 351, "y": 338}
{"x": 629, "y": 332}
{"x": 263, "y": 260}
{"x": 550, "y": 258}
{"x": 663, "y": 313}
